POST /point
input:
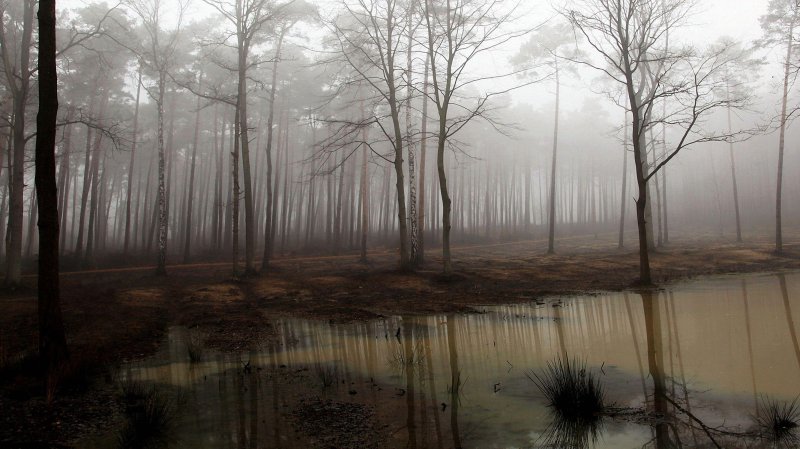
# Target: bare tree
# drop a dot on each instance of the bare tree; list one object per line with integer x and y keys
{"x": 629, "y": 37}
{"x": 369, "y": 42}
{"x": 458, "y": 33}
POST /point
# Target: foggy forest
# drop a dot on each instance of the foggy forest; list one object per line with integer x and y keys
{"x": 399, "y": 223}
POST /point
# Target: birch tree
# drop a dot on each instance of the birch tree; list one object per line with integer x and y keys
{"x": 157, "y": 54}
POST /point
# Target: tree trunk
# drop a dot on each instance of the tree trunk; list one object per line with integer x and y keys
{"x": 782, "y": 141}
{"x": 190, "y": 193}
{"x": 445, "y": 194}
{"x": 130, "y": 167}
{"x": 733, "y": 178}
{"x": 161, "y": 261}
{"x": 623, "y": 200}
{"x": 551, "y": 236}
{"x": 52, "y": 341}
{"x": 249, "y": 217}
{"x": 64, "y": 181}
{"x": 364, "y": 191}
{"x": 16, "y": 206}
{"x": 422, "y": 150}
{"x": 236, "y": 190}
{"x": 268, "y": 222}
{"x": 412, "y": 169}
{"x": 639, "y": 155}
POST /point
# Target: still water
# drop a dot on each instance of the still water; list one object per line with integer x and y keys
{"x": 685, "y": 366}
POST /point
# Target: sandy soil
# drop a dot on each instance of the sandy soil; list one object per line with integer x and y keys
{"x": 122, "y": 314}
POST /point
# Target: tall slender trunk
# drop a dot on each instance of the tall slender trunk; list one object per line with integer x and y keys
{"x": 190, "y": 192}
{"x": 87, "y": 181}
{"x": 640, "y": 161}
{"x": 249, "y": 216}
{"x": 733, "y": 175}
{"x": 412, "y": 169}
{"x": 268, "y": 224}
{"x": 399, "y": 138}
{"x": 17, "y": 181}
{"x": 663, "y": 174}
{"x": 131, "y": 166}
{"x": 445, "y": 194}
{"x": 236, "y": 191}
{"x": 64, "y": 181}
{"x": 623, "y": 200}
{"x": 161, "y": 260}
{"x": 31, "y": 225}
{"x": 422, "y": 158}
{"x": 551, "y": 236}
{"x": 364, "y": 190}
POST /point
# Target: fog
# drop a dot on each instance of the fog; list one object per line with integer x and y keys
{"x": 323, "y": 178}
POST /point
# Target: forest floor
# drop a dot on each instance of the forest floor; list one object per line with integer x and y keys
{"x": 119, "y": 315}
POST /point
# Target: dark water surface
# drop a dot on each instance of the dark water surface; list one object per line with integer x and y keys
{"x": 688, "y": 366}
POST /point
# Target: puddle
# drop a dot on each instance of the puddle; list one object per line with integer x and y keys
{"x": 688, "y": 365}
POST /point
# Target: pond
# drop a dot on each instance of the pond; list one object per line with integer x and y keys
{"x": 685, "y": 366}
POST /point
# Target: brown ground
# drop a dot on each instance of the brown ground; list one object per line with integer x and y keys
{"x": 122, "y": 314}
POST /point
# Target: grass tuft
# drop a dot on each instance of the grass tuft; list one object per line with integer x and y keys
{"x": 149, "y": 416}
{"x": 194, "y": 348}
{"x": 778, "y": 422}
{"x": 577, "y": 399}
{"x": 328, "y": 375}
{"x": 570, "y": 389}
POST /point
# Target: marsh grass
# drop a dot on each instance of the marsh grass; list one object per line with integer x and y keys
{"x": 149, "y": 415}
{"x": 195, "y": 348}
{"x": 571, "y": 390}
{"x": 401, "y": 361}
{"x": 778, "y": 422}
{"x": 576, "y": 398}
{"x": 328, "y": 375}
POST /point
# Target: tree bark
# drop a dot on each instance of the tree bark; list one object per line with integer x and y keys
{"x": 52, "y": 341}
{"x": 422, "y": 158}
{"x": 249, "y": 217}
{"x": 623, "y": 200}
{"x": 161, "y": 260}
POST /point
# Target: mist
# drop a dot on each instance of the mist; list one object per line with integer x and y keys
{"x": 221, "y": 176}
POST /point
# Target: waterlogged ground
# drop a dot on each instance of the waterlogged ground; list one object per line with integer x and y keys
{"x": 685, "y": 366}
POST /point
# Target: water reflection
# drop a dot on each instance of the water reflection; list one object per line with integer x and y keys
{"x": 694, "y": 357}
